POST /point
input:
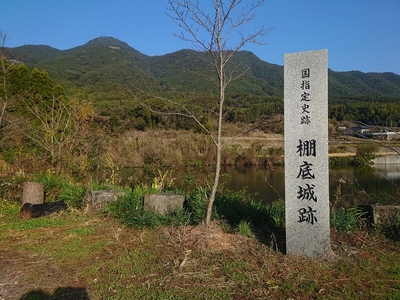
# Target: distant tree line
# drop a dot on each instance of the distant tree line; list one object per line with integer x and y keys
{"x": 377, "y": 111}
{"x": 35, "y": 87}
{"x": 247, "y": 109}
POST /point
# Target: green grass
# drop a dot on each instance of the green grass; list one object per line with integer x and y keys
{"x": 245, "y": 229}
{"x": 113, "y": 261}
{"x": 9, "y": 209}
{"x": 126, "y": 252}
{"x": 34, "y": 224}
{"x": 347, "y": 219}
{"x": 10, "y": 219}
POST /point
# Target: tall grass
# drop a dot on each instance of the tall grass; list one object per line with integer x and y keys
{"x": 347, "y": 219}
{"x": 52, "y": 183}
{"x": 129, "y": 210}
{"x": 197, "y": 205}
{"x": 73, "y": 195}
{"x": 276, "y": 211}
{"x": 245, "y": 229}
{"x": 237, "y": 209}
{"x": 61, "y": 188}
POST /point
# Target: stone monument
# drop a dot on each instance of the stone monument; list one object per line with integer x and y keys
{"x": 306, "y": 154}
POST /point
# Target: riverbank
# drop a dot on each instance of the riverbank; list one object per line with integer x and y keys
{"x": 346, "y": 154}
{"x": 155, "y": 150}
{"x": 339, "y": 146}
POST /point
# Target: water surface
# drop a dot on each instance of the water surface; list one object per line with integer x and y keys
{"x": 269, "y": 185}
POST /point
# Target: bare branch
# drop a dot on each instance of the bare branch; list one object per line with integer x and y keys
{"x": 218, "y": 33}
{"x": 4, "y": 69}
{"x": 50, "y": 127}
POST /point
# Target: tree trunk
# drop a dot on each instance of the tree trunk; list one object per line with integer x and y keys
{"x": 38, "y": 210}
{"x": 218, "y": 146}
{"x": 33, "y": 193}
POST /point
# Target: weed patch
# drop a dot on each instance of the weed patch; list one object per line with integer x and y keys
{"x": 347, "y": 219}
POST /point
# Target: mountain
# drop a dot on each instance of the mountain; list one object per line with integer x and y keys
{"x": 105, "y": 67}
{"x": 33, "y": 54}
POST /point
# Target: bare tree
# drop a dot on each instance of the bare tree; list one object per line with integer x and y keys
{"x": 51, "y": 125}
{"x": 5, "y": 67}
{"x": 219, "y": 33}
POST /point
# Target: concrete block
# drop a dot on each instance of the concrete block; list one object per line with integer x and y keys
{"x": 381, "y": 214}
{"x": 98, "y": 200}
{"x": 163, "y": 203}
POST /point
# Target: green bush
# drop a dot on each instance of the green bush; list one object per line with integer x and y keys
{"x": 8, "y": 209}
{"x": 197, "y": 205}
{"x": 73, "y": 195}
{"x": 276, "y": 211}
{"x": 128, "y": 209}
{"x": 347, "y": 219}
{"x": 142, "y": 218}
{"x": 179, "y": 217}
{"x": 53, "y": 184}
{"x": 61, "y": 188}
{"x": 235, "y": 207}
{"x": 232, "y": 207}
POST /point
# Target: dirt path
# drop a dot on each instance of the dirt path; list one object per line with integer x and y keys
{"x": 21, "y": 272}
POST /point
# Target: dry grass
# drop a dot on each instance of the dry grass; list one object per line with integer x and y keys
{"x": 95, "y": 257}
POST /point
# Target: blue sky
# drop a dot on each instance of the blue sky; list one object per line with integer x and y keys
{"x": 359, "y": 34}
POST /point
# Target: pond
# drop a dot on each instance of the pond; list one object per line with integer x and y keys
{"x": 269, "y": 185}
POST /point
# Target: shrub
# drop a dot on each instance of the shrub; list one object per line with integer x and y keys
{"x": 346, "y": 219}
{"x": 131, "y": 201}
{"x": 276, "y": 211}
{"x": 53, "y": 184}
{"x": 197, "y": 205}
{"x": 73, "y": 195}
{"x": 179, "y": 217}
{"x": 129, "y": 210}
{"x": 142, "y": 218}
{"x": 236, "y": 207}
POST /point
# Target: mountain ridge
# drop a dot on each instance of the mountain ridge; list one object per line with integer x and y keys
{"x": 105, "y": 63}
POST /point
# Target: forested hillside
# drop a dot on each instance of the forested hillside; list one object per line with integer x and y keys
{"x": 106, "y": 64}
{"x": 107, "y": 71}
{"x": 80, "y": 108}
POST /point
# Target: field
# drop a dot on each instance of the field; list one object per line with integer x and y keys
{"x": 92, "y": 256}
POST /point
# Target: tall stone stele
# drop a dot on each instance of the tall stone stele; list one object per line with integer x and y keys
{"x": 306, "y": 154}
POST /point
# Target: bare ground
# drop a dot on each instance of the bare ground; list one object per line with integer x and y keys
{"x": 25, "y": 274}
